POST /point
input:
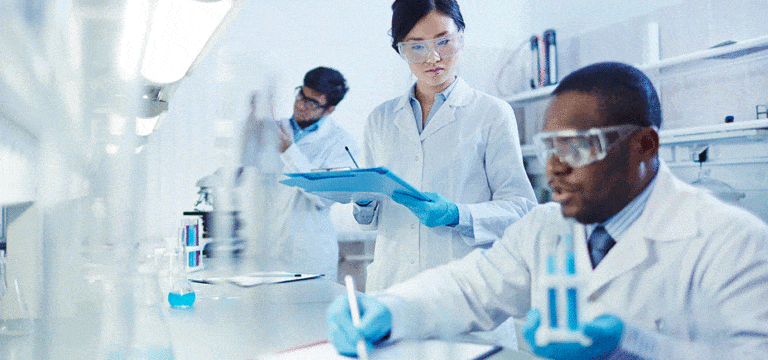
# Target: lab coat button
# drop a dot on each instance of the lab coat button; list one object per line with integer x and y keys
{"x": 413, "y": 226}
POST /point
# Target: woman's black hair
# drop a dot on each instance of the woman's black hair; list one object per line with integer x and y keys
{"x": 628, "y": 95}
{"x": 406, "y": 13}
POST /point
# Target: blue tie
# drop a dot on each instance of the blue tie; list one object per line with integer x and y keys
{"x": 599, "y": 243}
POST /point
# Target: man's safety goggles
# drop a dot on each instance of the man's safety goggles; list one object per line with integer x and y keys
{"x": 581, "y": 148}
{"x": 419, "y": 51}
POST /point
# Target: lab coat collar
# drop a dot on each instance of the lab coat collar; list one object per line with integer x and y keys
{"x": 404, "y": 119}
{"x": 670, "y": 215}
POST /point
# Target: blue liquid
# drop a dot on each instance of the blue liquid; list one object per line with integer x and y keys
{"x": 179, "y": 300}
{"x": 573, "y": 311}
{"x": 553, "y": 308}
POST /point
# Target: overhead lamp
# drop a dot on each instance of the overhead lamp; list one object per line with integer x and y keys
{"x": 152, "y": 109}
{"x": 179, "y": 33}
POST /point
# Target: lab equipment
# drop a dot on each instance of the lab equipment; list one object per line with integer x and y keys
{"x": 376, "y": 323}
{"x": 419, "y": 51}
{"x": 535, "y": 62}
{"x": 562, "y": 284}
{"x": 15, "y": 318}
{"x": 362, "y": 351}
{"x": 151, "y": 334}
{"x": 550, "y": 57}
{"x": 352, "y": 185}
{"x": 604, "y": 332}
{"x": 580, "y": 148}
{"x": 435, "y": 211}
{"x": 190, "y": 241}
{"x": 180, "y": 291}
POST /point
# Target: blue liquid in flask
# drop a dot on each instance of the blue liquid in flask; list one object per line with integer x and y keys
{"x": 181, "y": 300}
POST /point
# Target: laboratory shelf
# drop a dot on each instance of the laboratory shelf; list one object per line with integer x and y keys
{"x": 755, "y": 130}
{"x": 732, "y": 50}
{"x": 749, "y": 130}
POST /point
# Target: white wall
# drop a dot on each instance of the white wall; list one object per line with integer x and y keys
{"x": 282, "y": 41}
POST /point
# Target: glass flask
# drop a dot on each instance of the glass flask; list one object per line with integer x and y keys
{"x": 15, "y": 319}
{"x": 180, "y": 293}
{"x": 151, "y": 338}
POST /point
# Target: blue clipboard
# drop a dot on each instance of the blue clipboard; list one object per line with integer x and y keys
{"x": 352, "y": 184}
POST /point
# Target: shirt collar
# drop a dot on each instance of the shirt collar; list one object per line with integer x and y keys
{"x": 618, "y": 224}
{"x": 443, "y": 95}
{"x": 299, "y": 133}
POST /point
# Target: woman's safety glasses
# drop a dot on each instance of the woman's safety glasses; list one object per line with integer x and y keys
{"x": 581, "y": 148}
{"x": 419, "y": 51}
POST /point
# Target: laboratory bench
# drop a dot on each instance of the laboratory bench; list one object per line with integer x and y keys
{"x": 225, "y": 322}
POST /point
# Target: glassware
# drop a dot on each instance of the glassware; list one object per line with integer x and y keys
{"x": 151, "y": 338}
{"x": 180, "y": 293}
{"x": 15, "y": 319}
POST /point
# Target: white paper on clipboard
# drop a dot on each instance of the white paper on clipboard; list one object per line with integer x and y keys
{"x": 350, "y": 185}
{"x": 408, "y": 349}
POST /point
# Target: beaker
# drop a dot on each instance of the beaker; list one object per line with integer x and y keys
{"x": 180, "y": 292}
{"x": 15, "y": 319}
{"x": 151, "y": 333}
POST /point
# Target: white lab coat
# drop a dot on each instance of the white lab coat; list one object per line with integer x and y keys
{"x": 301, "y": 235}
{"x": 689, "y": 278}
{"x": 469, "y": 152}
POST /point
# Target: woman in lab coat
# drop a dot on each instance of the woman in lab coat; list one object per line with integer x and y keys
{"x": 454, "y": 143}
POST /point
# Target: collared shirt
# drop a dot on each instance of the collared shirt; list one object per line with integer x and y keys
{"x": 618, "y": 224}
{"x": 439, "y": 101}
{"x": 299, "y": 133}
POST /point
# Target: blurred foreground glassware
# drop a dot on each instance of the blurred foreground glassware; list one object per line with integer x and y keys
{"x": 151, "y": 338}
{"x": 180, "y": 293}
{"x": 15, "y": 319}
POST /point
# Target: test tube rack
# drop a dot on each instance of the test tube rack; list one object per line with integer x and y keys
{"x": 190, "y": 237}
{"x": 562, "y": 285}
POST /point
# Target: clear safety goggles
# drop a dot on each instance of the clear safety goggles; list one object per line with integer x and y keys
{"x": 419, "y": 51}
{"x": 582, "y": 147}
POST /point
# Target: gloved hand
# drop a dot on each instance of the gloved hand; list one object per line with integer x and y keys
{"x": 375, "y": 323}
{"x": 435, "y": 212}
{"x": 605, "y": 332}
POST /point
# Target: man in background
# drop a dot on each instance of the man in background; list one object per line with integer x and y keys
{"x": 300, "y": 236}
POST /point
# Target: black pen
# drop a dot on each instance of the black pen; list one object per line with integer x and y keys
{"x": 351, "y": 157}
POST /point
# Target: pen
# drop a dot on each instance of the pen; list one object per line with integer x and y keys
{"x": 351, "y": 157}
{"x": 362, "y": 351}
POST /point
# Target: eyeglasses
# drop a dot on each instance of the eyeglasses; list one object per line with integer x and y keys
{"x": 419, "y": 51}
{"x": 308, "y": 103}
{"x": 581, "y": 148}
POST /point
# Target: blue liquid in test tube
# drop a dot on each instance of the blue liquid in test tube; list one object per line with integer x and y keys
{"x": 551, "y": 269}
{"x": 571, "y": 293}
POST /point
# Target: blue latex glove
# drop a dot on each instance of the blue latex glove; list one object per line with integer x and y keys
{"x": 605, "y": 332}
{"x": 435, "y": 212}
{"x": 375, "y": 323}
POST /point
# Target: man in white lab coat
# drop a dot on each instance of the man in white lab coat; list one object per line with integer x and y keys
{"x": 670, "y": 271}
{"x": 297, "y": 233}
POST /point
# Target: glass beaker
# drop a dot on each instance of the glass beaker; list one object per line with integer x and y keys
{"x": 180, "y": 293}
{"x": 151, "y": 338}
{"x": 15, "y": 319}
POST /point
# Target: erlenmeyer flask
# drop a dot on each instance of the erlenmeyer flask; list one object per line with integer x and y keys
{"x": 15, "y": 319}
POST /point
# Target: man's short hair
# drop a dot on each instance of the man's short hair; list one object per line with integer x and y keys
{"x": 628, "y": 95}
{"x": 328, "y": 81}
